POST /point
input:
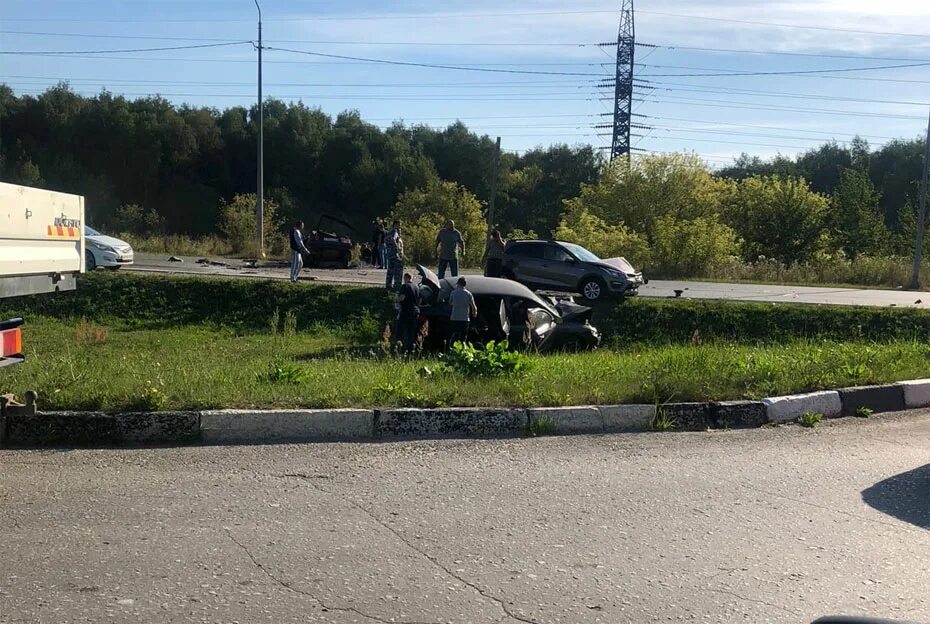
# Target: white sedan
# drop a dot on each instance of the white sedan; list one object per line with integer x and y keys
{"x": 101, "y": 250}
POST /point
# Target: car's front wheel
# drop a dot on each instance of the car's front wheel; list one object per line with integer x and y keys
{"x": 90, "y": 262}
{"x": 593, "y": 289}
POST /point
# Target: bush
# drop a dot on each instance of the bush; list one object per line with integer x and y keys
{"x": 423, "y": 212}
{"x": 494, "y": 359}
{"x": 238, "y": 225}
{"x": 692, "y": 248}
{"x": 134, "y": 219}
{"x": 607, "y": 241}
{"x": 810, "y": 419}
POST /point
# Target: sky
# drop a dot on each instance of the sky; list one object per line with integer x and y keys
{"x": 715, "y": 84}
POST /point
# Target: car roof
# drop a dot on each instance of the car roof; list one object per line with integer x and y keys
{"x": 479, "y": 286}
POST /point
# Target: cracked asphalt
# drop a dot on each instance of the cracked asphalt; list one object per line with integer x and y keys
{"x": 770, "y": 525}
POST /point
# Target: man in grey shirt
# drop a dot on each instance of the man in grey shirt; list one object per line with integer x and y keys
{"x": 448, "y": 241}
{"x": 463, "y": 311}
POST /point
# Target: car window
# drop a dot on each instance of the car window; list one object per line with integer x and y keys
{"x": 531, "y": 250}
{"x": 556, "y": 254}
{"x": 89, "y": 231}
{"x": 581, "y": 253}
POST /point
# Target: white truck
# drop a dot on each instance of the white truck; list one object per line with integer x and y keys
{"x": 41, "y": 251}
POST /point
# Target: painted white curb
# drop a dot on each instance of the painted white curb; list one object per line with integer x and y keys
{"x": 785, "y": 408}
{"x": 224, "y": 426}
{"x": 579, "y": 419}
{"x": 627, "y": 417}
{"x": 916, "y": 392}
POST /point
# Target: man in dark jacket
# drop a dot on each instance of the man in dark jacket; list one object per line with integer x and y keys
{"x": 409, "y": 300}
{"x": 298, "y": 249}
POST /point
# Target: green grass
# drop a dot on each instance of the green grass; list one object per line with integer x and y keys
{"x": 115, "y": 367}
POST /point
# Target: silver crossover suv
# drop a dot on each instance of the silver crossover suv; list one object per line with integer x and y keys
{"x": 558, "y": 266}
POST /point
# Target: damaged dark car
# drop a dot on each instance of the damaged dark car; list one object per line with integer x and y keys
{"x": 506, "y": 311}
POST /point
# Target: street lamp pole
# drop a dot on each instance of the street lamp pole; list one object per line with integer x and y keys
{"x": 260, "y": 204}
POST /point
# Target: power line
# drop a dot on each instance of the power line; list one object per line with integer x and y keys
{"x": 123, "y": 51}
{"x": 779, "y": 94}
{"x": 795, "y": 72}
{"x": 751, "y": 106}
{"x": 860, "y": 57}
{"x": 301, "y": 62}
{"x": 762, "y": 126}
{"x": 324, "y": 17}
{"x": 430, "y": 65}
{"x": 317, "y": 41}
{"x": 780, "y": 25}
{"x": 393, "y": 85}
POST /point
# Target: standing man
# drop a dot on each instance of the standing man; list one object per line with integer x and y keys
{"x": 377, "y": 241}
{"x": 394, "y": 257}
{"x": 448, "y": 241}
{"x": 463, "y": 311}
{"x": 409, "y": 300}
{"x": 298, "y": 249}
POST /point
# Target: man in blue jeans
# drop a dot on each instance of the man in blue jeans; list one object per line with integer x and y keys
{"x": 449, "y": 240}
{"x": 463, "y": 311}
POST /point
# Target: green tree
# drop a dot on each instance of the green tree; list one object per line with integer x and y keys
{"x": 858, "y": 227}
{"x": 606, "y": 240}
{"x": 238, "y": 225}
{"x": 692, "y": 248}
{"x": 778, "y": 218}
{"x": 422, "y": 212}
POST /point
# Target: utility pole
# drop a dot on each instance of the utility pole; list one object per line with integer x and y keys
{"x": 921, "y": 213}
{"x": 623, "y": 87}
{"x": 495, "y": 166}
{"x": 260, "y": 204}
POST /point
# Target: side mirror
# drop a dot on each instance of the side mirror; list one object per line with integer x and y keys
{"x": 572, "y": 261}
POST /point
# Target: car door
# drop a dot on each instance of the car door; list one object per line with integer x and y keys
{"x": 560, "y": 269}
{"x": 525, "y": 261}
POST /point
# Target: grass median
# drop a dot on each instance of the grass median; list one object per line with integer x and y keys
{"x": 82, "y": 365}
{"x": 134, "y": 342}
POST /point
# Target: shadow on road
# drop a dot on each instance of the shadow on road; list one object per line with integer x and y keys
{"x": 905, "y": 496}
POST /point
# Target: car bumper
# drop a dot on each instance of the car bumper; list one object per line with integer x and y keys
{"x": 109, "y": 258}
{"x": 626, "y": 287}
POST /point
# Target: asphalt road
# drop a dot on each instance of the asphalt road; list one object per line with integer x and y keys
{"x": 656, "y": 288}
{"x": 771, "y": 525}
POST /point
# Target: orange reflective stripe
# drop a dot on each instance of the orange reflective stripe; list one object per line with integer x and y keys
{"x": 61, "y": 230}
{"x": 50, "y": 231}
{"x": 12, "y": 342}
{"x": 70, "y": 232}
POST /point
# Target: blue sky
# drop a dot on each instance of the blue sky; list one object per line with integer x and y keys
{"x": 715, "y": 116}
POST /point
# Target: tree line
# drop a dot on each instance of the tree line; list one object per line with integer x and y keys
{"x": 149, "y": 166}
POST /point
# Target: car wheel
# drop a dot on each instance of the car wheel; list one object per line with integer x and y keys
{"x": 593, "y": 289}
{"x": 90, "y": 262}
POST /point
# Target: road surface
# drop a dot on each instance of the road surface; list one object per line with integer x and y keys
{"x": 771, "y": 525}
{"x": 656, "y": 288}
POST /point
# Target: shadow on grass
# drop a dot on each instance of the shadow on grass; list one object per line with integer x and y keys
{"x": 367, "y": 352}
{"x": 905, "y": 496}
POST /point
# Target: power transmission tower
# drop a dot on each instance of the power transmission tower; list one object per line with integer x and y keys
{"x": 623, "y": 89}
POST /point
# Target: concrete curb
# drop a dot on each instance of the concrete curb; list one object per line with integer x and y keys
{"x": 449, "y": 422}
{"x": 263, "y": 426}
{"x": 916, "y": 392}
{"x": 240, "y": 426}
{"x": 887, "y": 398}
{"x": 785, "y": 408}
{"x": 95, "y": 428}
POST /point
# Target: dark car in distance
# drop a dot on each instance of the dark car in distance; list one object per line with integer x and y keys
{"x": 328, "y": 249}
{"x": 559, "y": 266}
{"x": 506, "y": 311}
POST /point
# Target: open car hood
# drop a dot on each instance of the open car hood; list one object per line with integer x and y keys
{"x": 571, "y": 312}
{"x": 428, "y": 278}
{"x": 619, "y": 263}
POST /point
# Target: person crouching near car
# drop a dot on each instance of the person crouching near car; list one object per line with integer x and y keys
{"x": 494, "y": 255}
{"x": 463, "y": 311}
{"x": 298, "y": 249}
{"x": 409, "y": 300}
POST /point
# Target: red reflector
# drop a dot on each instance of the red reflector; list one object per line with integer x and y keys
{"x": 12, "y": 342}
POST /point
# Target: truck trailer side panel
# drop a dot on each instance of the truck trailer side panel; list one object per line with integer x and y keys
{"x": 41, "y": 240}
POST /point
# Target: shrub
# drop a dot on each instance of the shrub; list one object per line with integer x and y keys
{"x": 423, "y": 212}
{"x": 238, "y": 224}
{"x": 607, "y": 241}
{"x": 494, "y": 359}
{"x": 284, "y": 373}
{"x": 134, "y": 219}
{"x": 692, "y": 248}
{"x": 810, "y": 419}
